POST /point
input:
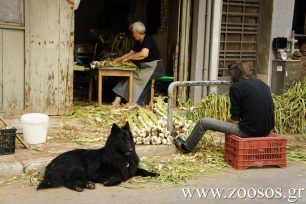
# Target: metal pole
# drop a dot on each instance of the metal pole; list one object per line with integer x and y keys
{"x": 177, "y": 46}
{"x": 215, "y": 42}
{"x": 182, "y": 45}
{"x": 186, "y": 83}
{"x": 206, "y": 44}
{"x": 186, "y": 48}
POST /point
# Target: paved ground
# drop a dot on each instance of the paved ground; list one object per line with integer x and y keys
{"x": 273, "y": 183}
{"x": 267, "y": 185}
{"x": 25, "y": 160}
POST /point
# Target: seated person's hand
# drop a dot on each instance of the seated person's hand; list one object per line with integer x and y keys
{"x": 232, "y": 121}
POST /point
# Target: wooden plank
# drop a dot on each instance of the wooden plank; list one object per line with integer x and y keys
{"x": 118, "y": 68}
{"x": 100, "y": 78}
{"x": 51, "y": 55}
{"x": 1, "y": 68}
{"x": 33, "y": 57}
{"x": 43, "y": 46}
{"x": 13, "y": 69}
{"x": 11, "y": 12}
{"x": 66, "y": 35}
{"x": 14, "y": 27}
{"x": 91, "y": 79}
{"x": 27, "y": 44}
{"x": 115, "y": 73}
{"x": 131, "y": 88}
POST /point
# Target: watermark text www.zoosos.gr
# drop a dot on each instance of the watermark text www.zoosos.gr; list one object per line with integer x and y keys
{"x": 291, "y": 195}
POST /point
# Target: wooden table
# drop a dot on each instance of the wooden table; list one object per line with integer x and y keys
{"x": 111, "y": 71}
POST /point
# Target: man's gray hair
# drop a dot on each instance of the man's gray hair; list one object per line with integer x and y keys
{"x": 138, "y": 27}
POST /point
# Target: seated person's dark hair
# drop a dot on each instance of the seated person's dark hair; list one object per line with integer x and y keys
{"x": 237, "y": 71}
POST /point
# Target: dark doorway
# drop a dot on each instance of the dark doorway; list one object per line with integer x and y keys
{"x": 298, "y": 24}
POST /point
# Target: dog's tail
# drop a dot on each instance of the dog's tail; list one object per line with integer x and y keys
{"x": 44, "y": 184}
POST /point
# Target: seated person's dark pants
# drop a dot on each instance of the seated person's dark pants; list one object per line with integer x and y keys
{"x": 210, "y": 124}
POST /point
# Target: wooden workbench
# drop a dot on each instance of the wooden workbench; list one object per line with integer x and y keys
{"x": 111, "y": 71}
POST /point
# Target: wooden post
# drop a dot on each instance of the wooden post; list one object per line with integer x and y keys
{"x": 91, "y": 75}
{"x": 152, "y": 89}
{"x": 100, "y": 88}
{"x": 131, "y": 88}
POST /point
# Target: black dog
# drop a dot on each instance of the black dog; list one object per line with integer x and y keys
{"x": 117, "y": 161}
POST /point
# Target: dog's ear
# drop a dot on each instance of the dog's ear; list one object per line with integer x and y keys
{"x": 115, "y": 128}
{"x": 126, "y": 126}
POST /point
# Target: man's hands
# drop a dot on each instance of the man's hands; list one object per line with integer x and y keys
{"x": 121, "y": 60}
{"x": 125, "y": 57}
{"x": 125, "y": 60}
{"x": 133, "y": 56}
{"x": 232, "y": 121}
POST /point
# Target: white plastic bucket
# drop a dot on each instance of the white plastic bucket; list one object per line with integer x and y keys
{"x": 34, "y": 126}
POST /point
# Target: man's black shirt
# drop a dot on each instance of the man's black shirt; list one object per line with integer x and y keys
{"x": 252, "y": 106}
{"x": 150, "y": 44}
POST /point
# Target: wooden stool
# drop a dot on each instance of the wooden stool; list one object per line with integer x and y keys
{"x": 163, "y": 78}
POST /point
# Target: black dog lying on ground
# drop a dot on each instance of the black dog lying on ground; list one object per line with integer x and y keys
{"x": 117, "y": 161}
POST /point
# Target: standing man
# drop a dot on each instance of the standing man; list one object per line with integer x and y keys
{"x": 252, "y": 111}
{"x": 146, "y": 53}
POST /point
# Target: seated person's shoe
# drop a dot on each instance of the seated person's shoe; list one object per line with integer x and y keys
{"x": 179, "y": 143}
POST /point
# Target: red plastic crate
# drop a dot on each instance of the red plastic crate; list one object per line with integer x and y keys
{"x": 242, "y": 153}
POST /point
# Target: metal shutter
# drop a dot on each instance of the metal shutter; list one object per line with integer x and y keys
{"x": 239, "y": 31}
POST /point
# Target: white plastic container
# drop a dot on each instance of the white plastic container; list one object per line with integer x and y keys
{"x": 34, "y": 126}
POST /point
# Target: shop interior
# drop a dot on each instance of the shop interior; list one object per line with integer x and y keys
{"x": 102, "y": 32}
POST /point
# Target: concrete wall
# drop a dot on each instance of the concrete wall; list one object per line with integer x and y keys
{"x": 282, "y": 16}
{"x": 197, "y": 53}
{"x": 206, "y": 29}
{"x": 264, "y": 38}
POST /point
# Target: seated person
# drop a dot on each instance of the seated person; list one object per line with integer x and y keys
{"x": 252, "y": 111}
{"x": 146, "y": 54}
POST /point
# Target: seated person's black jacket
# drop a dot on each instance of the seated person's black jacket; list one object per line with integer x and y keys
{"x": 252, "y": 106}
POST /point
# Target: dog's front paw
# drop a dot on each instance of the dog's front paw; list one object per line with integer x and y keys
{"x": 78, "y": 188}
{"x": 107, "y": 183}
{"x": 90, "y": 185}
{"x": 112, "y": 181}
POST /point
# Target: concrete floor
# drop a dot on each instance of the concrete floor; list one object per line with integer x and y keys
{"x": 269, "y": 179}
